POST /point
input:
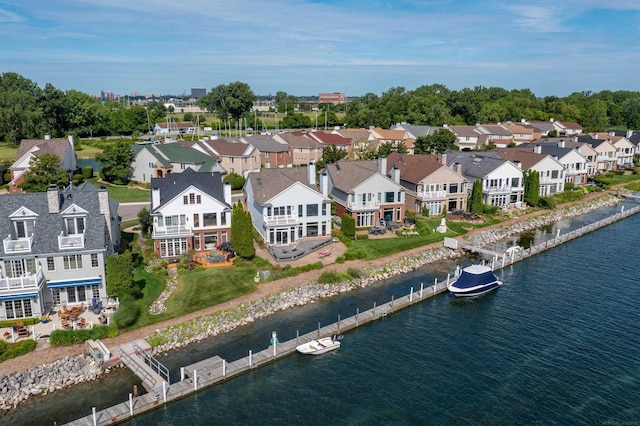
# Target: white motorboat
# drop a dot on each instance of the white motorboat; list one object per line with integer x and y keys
{"x": 320, "y": 346}
{"x": 474, "y": 281}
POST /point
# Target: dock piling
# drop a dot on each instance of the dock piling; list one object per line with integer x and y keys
{"x": 131, "y": 404}
{"x": 251, "y": 355}
{"x": 181, "y": 373}
{"x": 95, "y": 419}
{"x": 164, "y": 391}
{"x": 421, "y": 288}
{"x": 411, "y": 295}
{"x": 338, "y": 323}
{"x": 195, "y": 380}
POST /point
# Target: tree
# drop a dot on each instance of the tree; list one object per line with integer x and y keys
{"x": 115, "y": 161}
{"x": 20, "y": 112}
{"x": 436, "y": 143}
{"x": 631, "y": 113}
{"x": 242, "y": 232}
{"x": 44, "y": 170}
{"x": 296, "y": 121}
{"x": 475, "y": 202}
{"x": 233, "y": 99}
{"x": 146, "y": 220}
{"x": 332, "y": 154}
{"x": 119, "y": 270}
{"x": 235, "y": 180}
{"x": 531, "y": 187}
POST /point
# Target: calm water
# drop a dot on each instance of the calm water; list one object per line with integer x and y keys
{"x": 557, "y": 344}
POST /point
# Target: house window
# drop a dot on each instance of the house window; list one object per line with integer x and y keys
{"x": 94, "y": 260}
{"x": 24, "y": 228}
{"x": 73, "y": 261}
{"x": 75, "y": 225}
{"x": 76, "y": 294}
{"x": 209, "y": 219}
{"x": 174, "y": 247}
{"x": 210, "y": 241}
{"x": 196, "y": 242}
{"x": 223, "y": 219}
{"x": 18, "y": 308}
{"x": 231, "y": 160}
{"x": 192, "y": 198}
{"x": 267, "y": 155}
{"x": 312, "y": 210}
{"x": 364, "y": 219}
{"x": 224, "y": 237}
{"x": 515, "y": 182}
{"x": 300, "y": 210}
{"x": 554, "y": 174}
{"x": 71, "y": 294}
{"x": 196, "y": 220}
{"x": 151, "y": 165}
{"x": 95, "y": 291}
{"x": 267, "y": 165}
{"x": 324, "y": 209}
{"x": 185, "y": 199}
{"x": 312, "y": 230}
{"x": 388, "y": 197}
{"x": 198, "y": 199}
{"x": 18, "y": 268}
{"x": 55, "y": 295}
{"x": 51, "y": 266}
{"x": 175, "y": 220}
{"x": 453, "y": 188}
{"x": 181, "y": 166}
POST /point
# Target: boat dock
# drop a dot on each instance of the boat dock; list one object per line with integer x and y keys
{"x": 214, "y": 370}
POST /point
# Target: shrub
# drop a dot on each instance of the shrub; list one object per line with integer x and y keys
{"x": 487, "y": 209}
{"x": 329, "y": 277}
{"x": 87, "y": 172}
{"x": 77, "y": 179}
{"x": 353, "y": 272}
{"x": 546, "y": 203}
{"x": 340, "y": 259}
{"x": 352, "y": 254}
{"x": 568, "y": 186}
{"x": 127, "y": 313}
{"x": 348, "y": 226}
{"x": 13, "y": 350}
{"x": 73, "y": 337}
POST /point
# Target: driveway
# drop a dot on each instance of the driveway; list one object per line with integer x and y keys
{"x": 129, "y": 211}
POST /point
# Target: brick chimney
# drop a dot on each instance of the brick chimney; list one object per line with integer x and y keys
{"x": 53, "y": 199}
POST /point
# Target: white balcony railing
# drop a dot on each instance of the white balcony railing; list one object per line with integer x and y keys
{"x": 73, "y": 241}
{"x": 432, "y": 194}
{"x": 18, "y": 285}
{"x": 504, "y": 189}
{"x": 17, "y": 245}
{"x": 172, "y": 230}
{"x": 364, "y": 205}
{"x": 285, "y": 219}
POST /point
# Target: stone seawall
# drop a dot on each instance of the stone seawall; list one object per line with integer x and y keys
{"x": 17, "y": 387}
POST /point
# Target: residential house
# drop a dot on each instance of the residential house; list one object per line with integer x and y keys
{"x": 626, "y": 149}
{"x": 631, "y": 136}
{"x": 305, "y": 150}
{"x": 384, "y": 136}
{"x": 328, "y": 138}
{"x": 56, "y": 249}
{"x": 502, "y": 180}
{"x": 172, "y": 127}
{"x": 500, "y": 136}
{"x": 160, "y": 160}
{"x": 575, "y": 165}
{"x": 363, "y": 190}
{"x": 413, "y": 131}
{"x": 607, "y": 153}
{"x": 550, "y": 170}
{"x": 191, "y": 211}
{"x": 543, "y": 127}
{"x": 286, "y": 206}
{"x": 362, "y": 140}
{"x": 430, "y": 184}
{"x": 567, "y": 128}
{"x": 522, "y": 132}
{"x": 234, "y": 157}
{"x": 273, "y": 154}
{"x": 63, "y": 148}
{"x": 467, "y": 138}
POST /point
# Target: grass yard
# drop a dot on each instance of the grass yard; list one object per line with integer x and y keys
{"x": 8, "y": 152}
{"x": 124, "y": 194}
{"x": 615, "y": 179}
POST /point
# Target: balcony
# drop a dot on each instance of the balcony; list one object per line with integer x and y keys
{"x": 504, "y": 189}
{"x": 286, "y": 219}
{"x": 18, "y": 245}
{"x": 73, "y": 241}
{"x": 432, "y": 195}
{"x": 172, "y": 231}
{"x": 28, "y": 283}
{"x": 363, "y": 205}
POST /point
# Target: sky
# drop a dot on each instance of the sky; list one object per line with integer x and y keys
{"x": 306, "y": 47}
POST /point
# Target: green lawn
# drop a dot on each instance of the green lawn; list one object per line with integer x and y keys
{"x": 123, "y": 194}
{"x": 615, "y": 179}
{"x": 8, "y": 152}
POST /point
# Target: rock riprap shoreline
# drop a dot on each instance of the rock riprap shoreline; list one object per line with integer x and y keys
{"x": 17, "y": 387}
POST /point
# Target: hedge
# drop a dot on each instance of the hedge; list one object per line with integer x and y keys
{"x": 13, "y": 350}
{"x": 73, "y": 337}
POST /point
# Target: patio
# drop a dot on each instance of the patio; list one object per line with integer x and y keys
{"x": 303, "y": 248}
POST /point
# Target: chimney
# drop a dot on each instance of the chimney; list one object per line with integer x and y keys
{"x": 103, "y": 203}
{"x": 523, "y": 121}
{"x": 629, "y": 133}
{"x": 47, "y": 137}
{"x": 382, "y": 165}
{"x": 561, "y": 143}
{"x": 537, "y": 149}
{"x": 70, "y": 137}
{"x": 551, "y": 120}
{"x": 446, "y": 126}
{"x": 311, "y": 173}
{"x": 457, "y": 167}
{"x": 443, "y": 158}
{"x": 53, "y": 199}
{"x": 518, "y": 164}
{"x": 395, "y": 174}
{"x": 155, "y": 198}
{"x": 324, "y": 184}
{"x": 227, "y": 193}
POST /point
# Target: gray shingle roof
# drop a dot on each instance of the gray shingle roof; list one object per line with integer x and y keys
{"x": 475, "y": 165}
{"x": 266, "y": 144}
{"x": 346, "y": 175}
{"x": 49, "y": 225}
{"x": 174, "y": 184}
{"x": 267, "y": 183}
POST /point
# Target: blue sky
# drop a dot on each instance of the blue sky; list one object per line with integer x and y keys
{"x": 304, "y": 47}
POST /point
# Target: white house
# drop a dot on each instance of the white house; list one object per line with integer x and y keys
{"x": 191, "y": 211}
{"x": 550, "y": 170}
{"x": 286, "y": 206}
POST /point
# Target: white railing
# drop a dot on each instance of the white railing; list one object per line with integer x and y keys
{"x": 172, "y": 230}
{"x": 503, "y": 189}
{"x": 363, "y": 205}
{"x": 22, "y": 283}
{"x": 285, "y": 219}
{"x": 70, "y": 241}
{"x": 17, "y": 245}
{"x": 432, "y": 194}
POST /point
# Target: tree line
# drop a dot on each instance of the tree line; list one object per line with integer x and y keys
{"x": 28, "y": 111}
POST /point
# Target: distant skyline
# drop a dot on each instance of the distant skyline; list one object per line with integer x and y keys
{"x": 304, "y": 47}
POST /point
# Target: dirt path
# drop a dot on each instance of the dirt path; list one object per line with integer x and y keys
{"x": 45, "y": 354}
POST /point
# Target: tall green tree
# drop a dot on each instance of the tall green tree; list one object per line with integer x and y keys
{"x": 231, "y": 99}
{"x": 20, "y": 111}
{"x": 119, "y": 270}
{"x": 630, "y": 113}
{"x": 531, "y": 187}
{"x": 242, "y": 232}
{"x": 332, "y": 154}
{"x": 44, "y": 170}
{"x": 115, "y": 161}
{"x": 475, "y": 204}
{"x": 440, "y": 141}
{"x": 146, "y": 220}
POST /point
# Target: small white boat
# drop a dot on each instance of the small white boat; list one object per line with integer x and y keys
{"x": 319, "y": 346}
{"x": 513, "y": 250}
{"x": 474, "y": 281}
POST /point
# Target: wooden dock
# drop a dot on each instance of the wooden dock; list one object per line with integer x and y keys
{"x": 213, "y": 370}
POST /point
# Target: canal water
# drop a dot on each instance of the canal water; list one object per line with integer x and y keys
{"x": 556, "y": 344}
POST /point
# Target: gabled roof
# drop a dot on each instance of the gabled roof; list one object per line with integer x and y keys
{"x": 543, "y": 126}
{"x": 464, "y": 131}
{"x": 525, "y": 156}
{"x": 356, "y": 135}
{"x": 347, "y": 175}
{"x": 414, "y": 168}
{"x": 174, "y": 184}
{"x": 415, "y": 131}
{"x": 493, "y": 129}
{"x": 570, "y": 125}
{"x": 547, "y": 148}
{"x": 225, "y": 148}
{"x": 166, "y": 154}
{"x": 475, "y": 165}
{"x": 329, "y": 138}
{"x": 296, "y": 140}
{"x": 518, "y": 128}
{"x": 56, "y": 146}
{"x": 389, "y": 134}
{"x": 266, "y": 143}
{"x": 267, "y": 183}
{"x": 49, "y": 225}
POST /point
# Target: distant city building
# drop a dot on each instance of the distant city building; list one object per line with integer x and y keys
{"x": 198, "y": 92}
{"x": 135, "y": 95}
{"x": 335, "y": 98}
{"x": 152, "y": 95}
{"x": 108, "y": 95}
